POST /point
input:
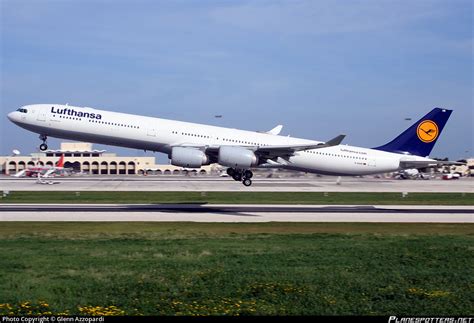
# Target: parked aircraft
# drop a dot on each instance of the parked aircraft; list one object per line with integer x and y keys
{"x": 411, "y": 173}
{"x": 45, "y": 171}
{"x": 41, "y": 180}
{"x": 192, "y": 145}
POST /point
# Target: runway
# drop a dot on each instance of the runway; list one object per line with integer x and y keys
{"x": 260, "y": 184}
{"x": 235, "y": 213}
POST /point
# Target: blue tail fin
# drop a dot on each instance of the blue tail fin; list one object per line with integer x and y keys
{"x": 421, "y": 137}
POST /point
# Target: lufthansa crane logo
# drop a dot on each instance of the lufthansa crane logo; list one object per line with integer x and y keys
{"x": 427, "y": 131}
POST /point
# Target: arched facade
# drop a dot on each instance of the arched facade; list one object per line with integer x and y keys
{"x": 113, "y": 170}
{"x": 95, "y": 168}
{"x": 76, "y": 166}
{"x": 86, "y": 167}
{"x": 104, "y": 168}
{"x": 21, "y": 165}
{"x": 122, "y": 169}
{"x": 93, "y": 162}
{"x": 131, "y": 168}
{"x": 12, "y": 167}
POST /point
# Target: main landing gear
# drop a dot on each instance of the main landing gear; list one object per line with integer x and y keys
{"x": 239, "y": 175}
{"x": 43, "y": 146}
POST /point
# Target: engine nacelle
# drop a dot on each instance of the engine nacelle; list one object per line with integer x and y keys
{"x": 188, "y": 157}
{"x": 237, "y": 157}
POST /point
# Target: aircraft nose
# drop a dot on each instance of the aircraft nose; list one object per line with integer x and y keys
{"x": 11, "y": 116}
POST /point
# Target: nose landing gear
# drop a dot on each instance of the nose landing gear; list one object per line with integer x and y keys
{"x": 43, "y": 146}
{"x": 243, "y": 176}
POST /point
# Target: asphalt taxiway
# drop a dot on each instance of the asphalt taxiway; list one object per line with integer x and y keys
{"x": 260, "y": 184}
{"x": 236, "y": 213}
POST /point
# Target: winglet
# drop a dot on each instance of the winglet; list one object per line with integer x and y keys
{"x": 275, "y": 131}
{"x": 335, "y": 141}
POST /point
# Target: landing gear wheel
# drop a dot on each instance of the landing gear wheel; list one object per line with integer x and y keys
{"x": 230, "y": 172}
{"x": 43, "y": 146}
{"x": 248, "y": 174}
{"x": 247, "y": 182}
{"x": 237, "y": 177}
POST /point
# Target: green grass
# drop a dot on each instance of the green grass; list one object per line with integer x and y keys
{"x": 237, "y": 269}
{"x": 240, "y": 198}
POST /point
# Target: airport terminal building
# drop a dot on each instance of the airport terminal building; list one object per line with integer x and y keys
{"x": 82, "y": 158}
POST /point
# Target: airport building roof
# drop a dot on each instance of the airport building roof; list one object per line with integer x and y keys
{"x": 75, "y": 149}
{"x": 76, "y": 146}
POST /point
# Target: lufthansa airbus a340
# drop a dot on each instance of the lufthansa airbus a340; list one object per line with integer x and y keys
{"x": 193, "y": 145}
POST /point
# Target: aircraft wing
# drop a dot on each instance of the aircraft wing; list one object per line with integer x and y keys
{"x": 273, "y": 151}
{"x": 289, "y": 150}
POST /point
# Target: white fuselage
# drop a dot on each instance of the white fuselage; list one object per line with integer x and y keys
{"x": 155, "y": 134}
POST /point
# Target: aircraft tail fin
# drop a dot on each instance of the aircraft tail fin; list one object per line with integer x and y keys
{"x": 60, "y": 162}
{"x": 420, "y": 138}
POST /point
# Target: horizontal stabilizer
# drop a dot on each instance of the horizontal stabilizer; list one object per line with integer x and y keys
{"x": 428, "y": 163}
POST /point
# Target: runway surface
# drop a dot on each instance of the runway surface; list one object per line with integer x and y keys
{"x": 235, "y": 213}
{"x": 209, "y": 184}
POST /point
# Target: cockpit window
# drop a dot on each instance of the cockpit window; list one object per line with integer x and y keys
{"x": 22, "y": 110}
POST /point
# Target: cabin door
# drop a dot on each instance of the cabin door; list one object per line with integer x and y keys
{"x": 151, "y": 132}
{"x": 41, "y": 115}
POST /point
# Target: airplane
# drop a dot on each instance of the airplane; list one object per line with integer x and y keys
{"x": 411, "y": 173}
{"x": 193, "y": 145}
{"x": 44, "y": 182}
{"x": 45, "y": 171}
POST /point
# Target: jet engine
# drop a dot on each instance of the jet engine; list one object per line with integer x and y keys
{"x": 237, "y": 157}
{"x": 188, "y": 157}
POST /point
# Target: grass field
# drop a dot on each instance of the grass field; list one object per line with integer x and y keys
{"x": 236, "y": 269}
{"x": 240, "y": 198}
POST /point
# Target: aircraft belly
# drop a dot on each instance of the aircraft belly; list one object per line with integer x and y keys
{"x": 333, "y": 166}
{"x": 98, "y": 138}
{"x": 386, "y": 164}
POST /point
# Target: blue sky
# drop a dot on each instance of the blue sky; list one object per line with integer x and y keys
{"x": 320, "y": 68}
